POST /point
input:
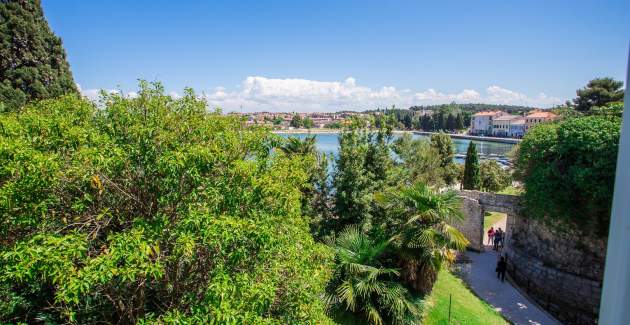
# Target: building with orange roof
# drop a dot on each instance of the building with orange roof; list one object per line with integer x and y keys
{"x": 501, "y": 125}
{"x": 538, "y": 116}
{"x": 481, "y": 122}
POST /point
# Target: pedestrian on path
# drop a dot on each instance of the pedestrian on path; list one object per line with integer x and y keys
{"x": 501, "y": 267}
{"x": 491, "y": 236}
{"x": 497, "y": 239}
{"x": 502, "y": 241}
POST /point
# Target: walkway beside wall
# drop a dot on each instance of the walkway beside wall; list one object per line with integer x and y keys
{"x": 480, "y": 276}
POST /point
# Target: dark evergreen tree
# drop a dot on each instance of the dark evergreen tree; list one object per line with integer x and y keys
{"x": 32, "y": 60}
{"x": 427, "y": 123}
{"x": 472, "y": 177}
{"x": 598, "y": 93}
{"x": 460, "y": 122}
{"x": 451, "y": 122}
{"x": 407, "y": 121}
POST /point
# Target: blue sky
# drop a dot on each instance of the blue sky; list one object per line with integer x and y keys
{"x": 330, "y": 55}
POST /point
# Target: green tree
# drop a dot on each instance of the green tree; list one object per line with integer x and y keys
{"x": 472, "y": 177}
{"x": 278, "y": 120}
{"x": 363, "y": 286}
{"x": 364, "y": 165}
{"x": 598, "y": 93}
{"x": 443, "y": 143}
{"x": 418, "y": 161}
{"x": 424, "y": 240}
{"x": 351, "y": 181}
{"x": 296, "y": 121}
{"x": 427, "y": 123}
{"x": 460, "y": 125}
{"x": 308, "y": 123}
{"x": 297, "y": 146}
{"x": 451, "y": 122}
{"x": 493, "y": 177}
{"x": 33, "y": 64}
{"x": 568, "y": 171}
{"x": 152, "y": 209}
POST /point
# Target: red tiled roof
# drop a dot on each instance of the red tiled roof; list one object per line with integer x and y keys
{"x": 541, "y": 114}
{"x": 487, "y": 113}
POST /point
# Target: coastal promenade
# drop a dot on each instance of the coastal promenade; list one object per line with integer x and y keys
{"x": 453, "y": 135}
{"x": 474, "y": 137}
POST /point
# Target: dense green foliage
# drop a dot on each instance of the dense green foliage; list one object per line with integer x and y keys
{"x": 419, "y": 162}
{"x": 363, "y": 167}
{"x": 443, "y": 143}
{"x": 296, "y": 121}
{"x": 151, "y": 209}
{"x": 493, "y": 177}
{"x": 472, "y": 176}
{"x": 316, "y": 192}
{"x": 568, "y": 169}
{"x": 363, "y": 285}
{"x": 598, "y": 93}
{"x": 419, "y": 219}
{"x": 32, "y": 61}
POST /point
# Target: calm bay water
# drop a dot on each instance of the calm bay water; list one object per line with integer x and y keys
{"x": 329, "y": 143}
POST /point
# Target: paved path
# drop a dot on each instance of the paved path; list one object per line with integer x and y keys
{"x": 480, "y": 276}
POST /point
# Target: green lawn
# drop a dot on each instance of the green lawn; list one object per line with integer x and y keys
{"x": 490, "y": 219}
{"x": 511, "y": 190}
{"x": 466, "y": 308}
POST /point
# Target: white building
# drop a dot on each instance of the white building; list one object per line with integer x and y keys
{"x": 501, "y": 125}
{"x": 481, "y": 123}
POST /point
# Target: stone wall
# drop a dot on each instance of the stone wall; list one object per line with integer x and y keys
{"x": 562, "y": 271}
{"x": 474, "y": 205}
{"x": 472, "y": 225}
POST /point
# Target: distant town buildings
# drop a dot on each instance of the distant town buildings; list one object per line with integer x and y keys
{"x": 501, "y": 124}
{"x": 283, "y": 120}
{"x": 487, "y": 123}
{"x": 481, "y": 122}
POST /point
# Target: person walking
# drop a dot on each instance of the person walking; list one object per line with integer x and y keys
{"x": 491, "y": 236}
{"x": 502, "y": 238}
{"x": 497, "y": 240}
{"x": 501, "y": 268}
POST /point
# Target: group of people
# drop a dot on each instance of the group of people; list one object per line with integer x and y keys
{"x": 496, "y": 238}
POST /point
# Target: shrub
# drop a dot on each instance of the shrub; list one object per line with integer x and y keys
{"x": 151, "y": 209}
{"x": 568, "y": 169}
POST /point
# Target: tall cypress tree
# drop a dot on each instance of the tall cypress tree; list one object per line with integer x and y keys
{"x": 32, "y": 60}
{"x": 472, "y": 177}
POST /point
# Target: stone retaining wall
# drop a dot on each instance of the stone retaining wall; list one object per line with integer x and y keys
{"x": 562, "y": 271}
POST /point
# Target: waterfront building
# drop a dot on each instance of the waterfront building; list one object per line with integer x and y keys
{"x": 538, "y": 116}
{"x": 481, "y": 123}
{"x": 501, "y": 125}
{"x": 517, "y": 128}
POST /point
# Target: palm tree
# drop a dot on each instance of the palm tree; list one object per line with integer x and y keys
{"x": 295, "y": 145}
{"x": 425, "y": 239}
{"x": 362, "y": 286}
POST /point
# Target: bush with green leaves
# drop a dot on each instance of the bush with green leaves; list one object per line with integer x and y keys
{"x": 151, "y": 209}
{"x": 568, "y": 170}
{"x": 493, "y": 177}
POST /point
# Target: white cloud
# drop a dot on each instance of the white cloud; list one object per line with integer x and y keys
{"x": 257, "y": 93}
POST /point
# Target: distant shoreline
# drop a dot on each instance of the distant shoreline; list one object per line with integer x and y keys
{"x": 323, "y": 131}
{"x": 452, "y": 135}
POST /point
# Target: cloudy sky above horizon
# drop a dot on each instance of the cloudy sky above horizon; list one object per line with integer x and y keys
{"x": 345, "y": 55}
